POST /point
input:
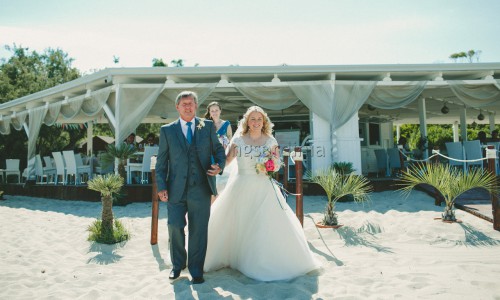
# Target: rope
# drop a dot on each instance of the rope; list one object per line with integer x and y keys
{"x": 442, "y": 155}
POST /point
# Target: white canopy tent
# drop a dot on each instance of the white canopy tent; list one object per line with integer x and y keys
{"x": 333, "y": 98}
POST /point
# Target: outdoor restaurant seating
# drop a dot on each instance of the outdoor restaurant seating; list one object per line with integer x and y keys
{"x": 43, "y": 172}
{"x": 12, "y": 168}
{"x": 473, "y": 151}
{"x": 382, "y": 161}
{"x": 455, "y": 151}
{"x": 60, "y": 167}
{"x": 73, "y": 169}
{"x": 142, "y": 167}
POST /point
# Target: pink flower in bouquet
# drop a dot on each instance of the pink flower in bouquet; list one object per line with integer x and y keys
{"x": 270, "y": 165}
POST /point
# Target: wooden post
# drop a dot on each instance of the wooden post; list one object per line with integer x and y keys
{"x": 155, "y": 205}
{"x": 299, "y": 205}
{"x": 491, "y": 155}
{"x": 435, "y": 150}
{"x": 286, "y": 154}
{"x": 277, "y": 174}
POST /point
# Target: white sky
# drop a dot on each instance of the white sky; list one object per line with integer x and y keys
{"x": 253, "y": 32}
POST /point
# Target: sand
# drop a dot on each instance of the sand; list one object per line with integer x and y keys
{"x": 389, "y": 248}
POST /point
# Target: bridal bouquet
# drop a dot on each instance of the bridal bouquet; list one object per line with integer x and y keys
{"x": 268, "y": 163}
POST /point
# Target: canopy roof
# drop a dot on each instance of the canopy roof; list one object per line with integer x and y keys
{"x": 436, "y": 80}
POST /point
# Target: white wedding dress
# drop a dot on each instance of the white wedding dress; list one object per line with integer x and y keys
{"x": 252, "y": 229}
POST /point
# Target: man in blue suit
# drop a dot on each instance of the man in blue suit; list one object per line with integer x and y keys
{"x": 185, "y": 175}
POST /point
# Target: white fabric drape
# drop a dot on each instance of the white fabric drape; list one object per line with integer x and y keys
{"x": 476, "y": 96}
{"x": 52, "y": 113}
{"x": 334, "y": 101}
{"x": 164, "y": 106}
{"x": 396, "y": 96}
{"x": 133, "y": 106}
{"x": 72, "y": 107}
{"x": 267, "y": 96}
{"x": 93, "y": 105}
{"x": 18, "y": 120}
{"x": 36, "y": 116}
{"x": 5, "y": 125}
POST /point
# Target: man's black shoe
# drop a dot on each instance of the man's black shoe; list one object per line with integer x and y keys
{"x": 197, "y": 280}
{"x": 174, "y": 274}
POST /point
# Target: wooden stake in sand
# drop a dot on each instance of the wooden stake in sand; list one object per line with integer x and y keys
{"x": 495, "y": 206}
{"x": 299, "y": 205}
{"x": 154, "y": 206}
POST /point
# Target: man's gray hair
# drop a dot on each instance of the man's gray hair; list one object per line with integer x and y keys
{"x": 185, "y": 94}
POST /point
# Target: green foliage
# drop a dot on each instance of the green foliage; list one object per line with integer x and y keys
{"x": 470, "y": 56}
{"x": 122, "y": 152}
{"x": 1, "y": 195}
{"x": 106, "y": 185}
{"x": 117, "y": 235}
{"x": 177, "y": 62}
{"x": 450, "y": 182}
{"x": 343, "y": 167}
{"x": 158, "y": 62}
{"x": 336, "y": 185}
{"x": 27, "y": 72}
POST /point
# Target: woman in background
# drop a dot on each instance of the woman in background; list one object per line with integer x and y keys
{"x": 224, "y": 133}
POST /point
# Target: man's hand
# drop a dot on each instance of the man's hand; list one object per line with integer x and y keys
{"x": 214, "y": 170}
{"x": 163, "y": 195}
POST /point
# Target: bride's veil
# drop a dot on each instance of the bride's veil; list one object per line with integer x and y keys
{"x": 232, "y": 168}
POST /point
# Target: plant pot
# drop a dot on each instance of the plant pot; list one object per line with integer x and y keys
{"x": 319, "y": 225}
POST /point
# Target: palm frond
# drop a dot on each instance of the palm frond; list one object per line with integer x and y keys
{"x": 107, "y": 185}
{"x": 122, "y": 152}
{"x": 450, "y": 182}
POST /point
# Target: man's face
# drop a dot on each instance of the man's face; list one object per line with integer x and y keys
{"x": 187, "y": 108}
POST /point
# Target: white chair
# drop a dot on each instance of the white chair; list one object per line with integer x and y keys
{"x": 12, "y": 169}
{"x": 382, "y": 161}
{"x": 394, "y": 159}
{"x": 83, "y": 167}
{"x": 473, "y": 151}
{"x": 42, "y": 172}
{"x": 73, "y": 169}
{"x": 60, "y": 167}
{"x": 48, "y": 162}
{"x": 146, "y": 162}
{"x": 456, "y": 151}
{"x": 132, "y": 167}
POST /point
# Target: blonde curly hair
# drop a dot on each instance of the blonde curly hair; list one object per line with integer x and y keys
{"x": 267, "y": 127}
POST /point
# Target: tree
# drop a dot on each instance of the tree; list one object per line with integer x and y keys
{"x": 103, "y": 231}
{"x": 177, "y": 62}
{"x": 469, "y": 55}
{"x": 158, "y": 62}
{"x": 27, "y": 72}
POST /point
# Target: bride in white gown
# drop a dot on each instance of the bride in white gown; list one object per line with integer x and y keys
{"x": 252, "y": 229}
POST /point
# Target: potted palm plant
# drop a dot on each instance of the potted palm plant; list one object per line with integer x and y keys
{"x": 105, "y": 230}
{"x": 122, "y": 152}
{"x": 449, "y": 182}
{"x": 337, "y": 185}
{"x": 346, "y": 168}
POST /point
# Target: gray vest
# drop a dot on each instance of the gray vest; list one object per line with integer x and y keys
{"x": 196, "y": 174}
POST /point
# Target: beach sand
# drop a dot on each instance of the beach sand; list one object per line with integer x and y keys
{"x": 389, "y": 248}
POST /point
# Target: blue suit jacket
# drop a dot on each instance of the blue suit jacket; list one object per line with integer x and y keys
{"x": 172, "y": 161}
